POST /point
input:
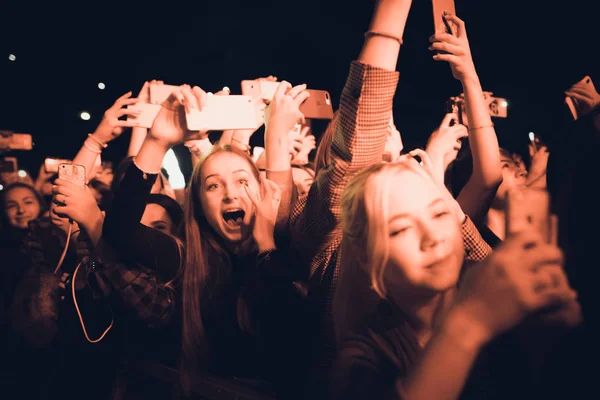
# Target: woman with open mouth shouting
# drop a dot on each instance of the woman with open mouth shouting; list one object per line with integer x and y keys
{"x": 236, "y": 297}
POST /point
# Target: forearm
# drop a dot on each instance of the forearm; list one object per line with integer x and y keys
{"x": 482, "y": 136}
{"x": 446, "y": 362}
{"x": 389, "y": 18}
{"x": 87, "y": 156}
{"x": 151, "y": 155}
{"x": 276, "y": 151}
{"x": 137, "y": 138}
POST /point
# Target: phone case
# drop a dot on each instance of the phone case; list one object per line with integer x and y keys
{"x": 159, "y": 93}
{"x": 146, "y": 118}
{"x": 439, "y": 6}
{"x": 51, "y": 164}
{"x": 72, "y": 173}
{"x": 318, "y": 105}
{"x": 528, "y": 208}
{"x": 225, "y": 112}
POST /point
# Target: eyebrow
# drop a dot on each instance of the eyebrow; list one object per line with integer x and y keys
{"x": 406, "y": 215}
{"x": 506, "y": 160}
{"x": 234, "y": 172}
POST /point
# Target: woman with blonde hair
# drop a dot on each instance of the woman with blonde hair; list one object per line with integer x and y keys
{"x": 418, "y": 335}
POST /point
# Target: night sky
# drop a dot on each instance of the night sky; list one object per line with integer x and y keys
{"x": 528, "y": 52}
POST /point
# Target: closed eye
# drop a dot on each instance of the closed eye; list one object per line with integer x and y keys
{"x": 399, "y": 231}
{"x": 441, "y": 214}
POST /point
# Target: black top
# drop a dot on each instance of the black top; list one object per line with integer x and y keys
{"x": 385, "y": 348}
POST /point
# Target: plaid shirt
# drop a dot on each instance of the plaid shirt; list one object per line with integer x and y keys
{"x": 359, "y": 141}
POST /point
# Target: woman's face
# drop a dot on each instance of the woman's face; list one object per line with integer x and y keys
{"x": 514, "y": 175}
{"x": 21, "y": 206}
{"x": 223, "y": 197}
{"x": 303, "y": 180}
{"x": 425, "y": 243}
{"x": 158, "y": 218}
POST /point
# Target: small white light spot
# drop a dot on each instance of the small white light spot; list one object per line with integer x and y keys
{"x": 209, "y": 93}
{"x": 22, "y": 173}
{"x": 504, "y": 103}
{"x": 226, "y": 88}
{"x": 1, "y": 187}
{"x": 531, "y": 136}
{"x": 85, "y": 115}
{"x": 12, "y": 57}
{"x": 101, "y": 86}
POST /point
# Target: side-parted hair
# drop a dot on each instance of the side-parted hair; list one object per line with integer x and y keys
{"x": 206, "y": 264}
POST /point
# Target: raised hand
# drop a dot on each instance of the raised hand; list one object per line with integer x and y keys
{"x": 444, "y": 143}
{"x": 456, "y": 50}
{"x": 283, "y": 113}
{"x": 266, "y": 204}
{"x": 584, "y": 96}
{"x": 304, "y": 143}
{"x": 111, "y": 126}
{"x": 523, "y": 276}
{"x": 170, "y": 126}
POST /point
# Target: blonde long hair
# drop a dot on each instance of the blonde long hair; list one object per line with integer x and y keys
{"x": 365, "y": 243}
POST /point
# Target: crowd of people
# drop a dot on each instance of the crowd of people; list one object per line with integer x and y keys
{"x": 351, "y": 268}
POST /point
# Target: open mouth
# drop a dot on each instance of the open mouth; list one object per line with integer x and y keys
{"x": 234, "y": 218}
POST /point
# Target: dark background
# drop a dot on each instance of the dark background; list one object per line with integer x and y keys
{"x": 528, "y": 52}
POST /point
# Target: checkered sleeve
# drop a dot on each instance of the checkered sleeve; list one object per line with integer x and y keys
{"x": 359, "y": 141}
{"x": 138, "y": 289}
{"x": 476, "y": 249}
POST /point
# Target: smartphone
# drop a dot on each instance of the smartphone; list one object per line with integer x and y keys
{"x": 569, "y": 101}
{"x": 529, "y": 208}
{"x": 440, "y": 23}
{"x": 9, "y": 164}
{"x": 498, "y": 107}
{"x": 51, "y": 164}
{"x": 455, "y": 105}
{"x": 318, "y": 105}
{"x": 72, "y": 173}
{"x": 260, "y": 89}
{"x": 147, "y": 115}
{"x": 160, "y": 92}
{"x": 15, "y": 141}
{"x": 225, "y": 112}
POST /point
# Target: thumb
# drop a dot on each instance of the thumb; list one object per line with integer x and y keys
{"x": 448, "y": 118}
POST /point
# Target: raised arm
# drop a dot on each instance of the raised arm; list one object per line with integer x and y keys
{"x": 361, "y": 129}
{"x": 109, "y": 128}
{"x": 478, "y": 193}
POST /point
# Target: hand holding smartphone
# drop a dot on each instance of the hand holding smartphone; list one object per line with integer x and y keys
{"x": 440, "y": 23}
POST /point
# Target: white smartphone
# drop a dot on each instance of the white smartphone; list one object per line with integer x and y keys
{"x": 225, "y": 112}
{"x": 72, "y": 173}
{"x": 147, "y": 115}
{"x": 262, "y": 89}
{"x": 160, "y": 92}
{"x": 15, "y": 141}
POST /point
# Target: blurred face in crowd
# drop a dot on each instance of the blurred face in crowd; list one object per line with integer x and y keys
{"x": 223, "y": 198}
{"x": 425, "y": 242}
{"x": 21, "y": 206}
{"x": 303, "y": 179}
{"x": 513, "y": 175}
{"x": 104, "y": 175}
{"x": 158, "y": 218}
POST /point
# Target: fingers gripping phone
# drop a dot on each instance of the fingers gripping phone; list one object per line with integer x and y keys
{"x": 527, "y": 209}
{"x": 571, "y": 104}
{"x": 73, "y": 173}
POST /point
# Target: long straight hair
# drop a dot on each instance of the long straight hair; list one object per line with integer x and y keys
{"x": 206, "y": 264}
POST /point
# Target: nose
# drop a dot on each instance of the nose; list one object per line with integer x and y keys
{"x": 20, "y": 209}
{"x": 431, "y": 237}
{"x": 231, "y": 193}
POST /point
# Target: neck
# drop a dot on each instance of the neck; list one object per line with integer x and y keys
{"x": 496, "y": 221}
{"x": 424, "y": 313}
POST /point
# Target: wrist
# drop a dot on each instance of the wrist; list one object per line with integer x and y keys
{"x": 469, "y": 80}
{"x": 265, "y": 244}
{"x": 465, "y": 330}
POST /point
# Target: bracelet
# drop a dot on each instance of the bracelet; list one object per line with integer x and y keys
{"x": 369, "y": 34}
{"x": 91, "y": 148}
{"x": 104, "y": 145}
{"x": 480, "y": 127}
